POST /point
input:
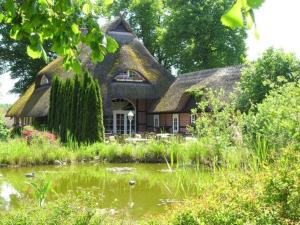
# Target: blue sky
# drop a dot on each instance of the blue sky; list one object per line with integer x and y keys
{"x": 277, "y": 22}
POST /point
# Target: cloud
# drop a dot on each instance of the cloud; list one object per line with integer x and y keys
{"x": 6, "y": 84}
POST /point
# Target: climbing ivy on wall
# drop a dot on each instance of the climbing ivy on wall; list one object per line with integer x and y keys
{"x": 75, "y": 112}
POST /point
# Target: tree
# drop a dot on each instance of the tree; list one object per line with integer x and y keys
{"x": 76, "y": 109}
{"x": 146, "y": 17}
{"x": 51, "y": 114}
{"x": 274, "y": 69}
{"x": 14, "y": 59}
{"x": 65, "y": 24}
{"x": 187, "y": 35}
{"x": 197, "y": 40}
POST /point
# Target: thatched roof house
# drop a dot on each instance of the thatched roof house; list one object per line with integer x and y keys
{"x": 131, "y": 80}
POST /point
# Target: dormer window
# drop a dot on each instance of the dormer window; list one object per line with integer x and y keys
{"x": 44, "y": 81}
{"x": 129, "y": 76}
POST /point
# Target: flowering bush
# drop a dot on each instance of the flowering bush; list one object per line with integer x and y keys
{"x": 34, "y": 136}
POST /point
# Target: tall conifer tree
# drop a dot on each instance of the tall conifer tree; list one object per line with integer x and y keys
{"x": 76, "y": 109}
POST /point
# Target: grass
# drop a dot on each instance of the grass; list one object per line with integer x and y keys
{"x": 17, "y": 152}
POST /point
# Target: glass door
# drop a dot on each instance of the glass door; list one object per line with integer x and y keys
{"x": 120, "y": 123}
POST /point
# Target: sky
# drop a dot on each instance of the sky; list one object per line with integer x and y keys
{"x": 277, "y": 23}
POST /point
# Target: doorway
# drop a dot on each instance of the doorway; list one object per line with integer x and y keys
{"x": 121, "y": 122}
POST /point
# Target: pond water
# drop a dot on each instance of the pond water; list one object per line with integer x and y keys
{"x": 137, "y": 189}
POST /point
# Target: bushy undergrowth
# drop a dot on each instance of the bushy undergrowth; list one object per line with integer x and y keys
{"x": 277, "y": 118}
{"x": 58, "y": 213}
{"x": 259, "y": 135}
{"x": 269, "y": 197}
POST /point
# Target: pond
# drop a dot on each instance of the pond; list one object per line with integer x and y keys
{"x": 139, "y": 190}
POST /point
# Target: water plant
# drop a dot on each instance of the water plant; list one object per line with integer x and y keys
{"x": 41, "y": 188}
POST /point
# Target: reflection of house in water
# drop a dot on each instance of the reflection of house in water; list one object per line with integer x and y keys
{"x": 131, "y": 80}
{"x": 7, "y": 194}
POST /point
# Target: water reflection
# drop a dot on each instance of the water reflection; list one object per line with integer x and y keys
{"x": 138, "y": 189}
{"x": 7, "y": 194}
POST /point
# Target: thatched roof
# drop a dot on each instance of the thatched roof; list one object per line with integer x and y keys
{"x": 131, "y": 55}
{"x": 178, "y": 97}
{"x": 34, "y": 102}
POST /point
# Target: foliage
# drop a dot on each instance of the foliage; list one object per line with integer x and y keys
{"x": 268, "y": 197}
{"x": 197, "y": 40}
{"x": 274, "y": 69}
{"x": 65, "y": 24}
{"x": 283, "y": 188}
{"x": 34, "y": 136}
{"x": 276, "y": 119}
{"x": 60, "y": 213}
{"x": 241, "y": 14}
{"x": 4, "y": 132}
{"x": 218, "y": 126}
{"x": 41, "y": 189}
{"x": 4, "y": 108}
{"x": 14, "y": 59}
{"x": 147, "y": 20}
{"x": 186, "y": 35}
{"x": 75, "y": 112}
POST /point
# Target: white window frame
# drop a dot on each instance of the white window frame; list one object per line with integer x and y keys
{"x": 193, "y": 118}
{"x": 127, "y": 76}
{"x": 156, "y": 120}
{"x": 125, "y": 113}
{"x": 175, "y": 123}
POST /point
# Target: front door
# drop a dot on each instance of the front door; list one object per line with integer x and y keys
{"x": 121, "y": 123}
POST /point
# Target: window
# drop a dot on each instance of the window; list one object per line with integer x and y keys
{"x": 129, "y": 76}
{"x": 193, "y": 118}
{"x": 108, "y": 123}
{"x": 175, "y": 123}
{"x": 156, "y": 121}
{"x": 44, "y": 80}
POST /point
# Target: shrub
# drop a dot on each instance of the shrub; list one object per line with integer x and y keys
{"x": 217, "y": 118}
{"x": 269, "y": 197}
{"x": 39, "y": 137}
{"x": 4, "y": 132}
{"x": 276, "y": 119}
{"x": 185, "y": 218}
{"x": 218, "y": 128}
{"x": 274, "y": 69}
{"x": 15, "y": 131}
{"x": 283, "y": 187}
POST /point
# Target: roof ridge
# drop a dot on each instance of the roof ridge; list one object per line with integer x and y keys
{"x": 196, "y": 73}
